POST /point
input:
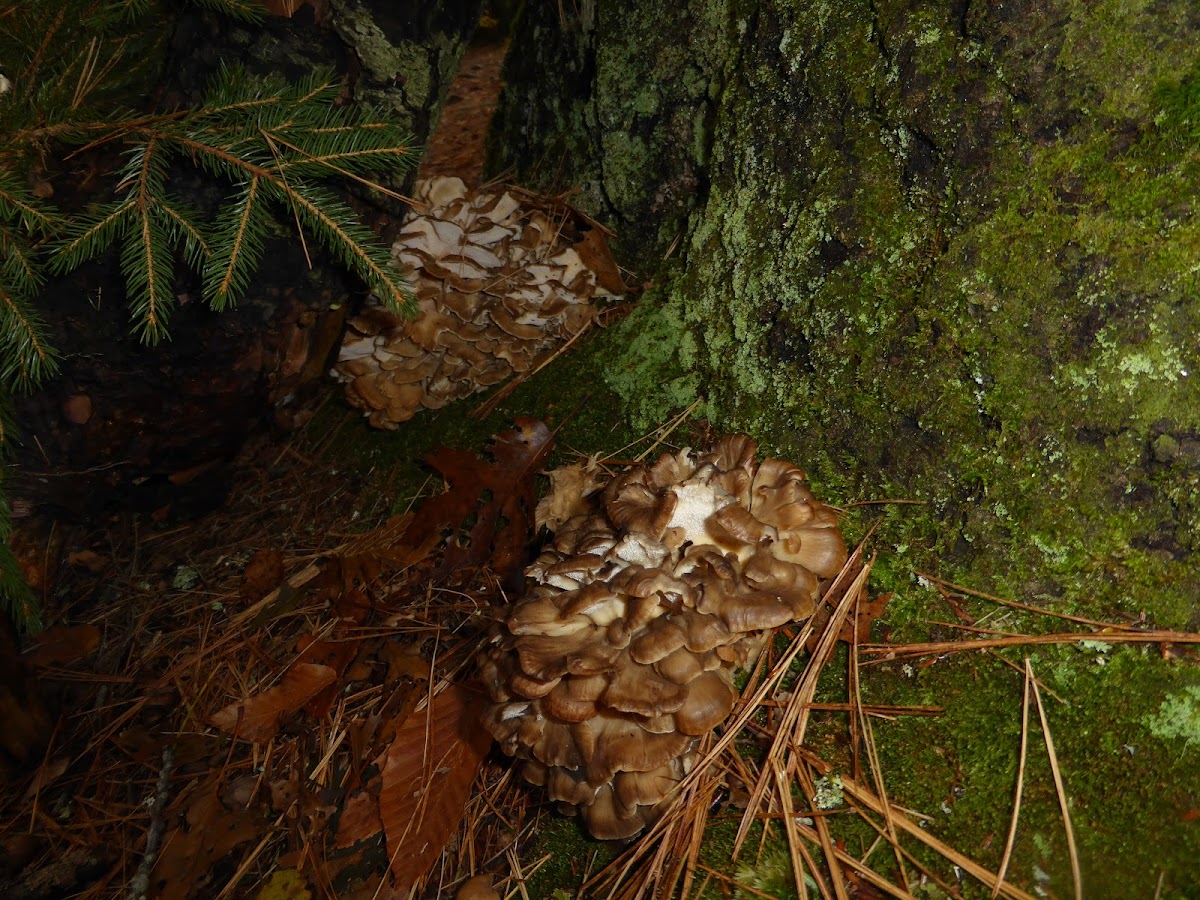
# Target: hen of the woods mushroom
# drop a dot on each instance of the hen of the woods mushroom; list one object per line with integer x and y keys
{"x": 604, "y": 678}
{"x": 498, "y": 285}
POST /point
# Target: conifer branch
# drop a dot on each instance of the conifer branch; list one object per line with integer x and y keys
{"x": 243, "y": 10}
{"x": 196, "y": 248}
{"x": 16, "y": 261}
{"x": 72, "y": 64}
{"x": 287, "y": 188}
{"x": 31, "y": 70}
{"x": 147, "y": 259}
{"x": 235, "y": 256}
{"x": 25, "y": 356}
{"x": 16, "y": 204}
{"x": 334, "y": 222}
{"x": 90, "y": 237}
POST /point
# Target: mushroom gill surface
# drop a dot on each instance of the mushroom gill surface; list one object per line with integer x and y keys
{"x": 498, "y": 285}
{"x": 621, "y": 656}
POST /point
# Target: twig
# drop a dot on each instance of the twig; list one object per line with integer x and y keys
{"x": 869, "y": 800}
{"x": 971, "y": 592}
{"x": 930, "y": 648}
{"x": 665, "y": 432}
{"x": 140, "y": 886}
{"x": 488, "y": 406}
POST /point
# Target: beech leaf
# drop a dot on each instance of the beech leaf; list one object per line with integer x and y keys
{"x": 257, "y": 718}
{"x": 426, "y": 780}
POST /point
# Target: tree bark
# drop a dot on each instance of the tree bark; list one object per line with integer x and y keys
{"x": 937, "y": 252}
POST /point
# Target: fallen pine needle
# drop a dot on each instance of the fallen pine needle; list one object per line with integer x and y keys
{"x": 971, "y": 592}
{"x": 1072, "y": 850}
{"x": 871, "y": 802}
{"x": 931, "y": 648}
{"x": 1012, "y": 826}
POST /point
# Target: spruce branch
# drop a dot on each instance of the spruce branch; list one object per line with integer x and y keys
{"x": 18, "y": 206}
{"x": 17, "y": 264}
{"x": 89, "y": 236}
{"x": 273, "y": 145}
{"x": 273, "y": 141}
{"x": 353, "y": 244}
{"x": 238, "y": 245}
{"x": 26, "y": 357}
{"x": 186, "y": 229}
{"x": 16, "y": 597}
{"x": 243, "y": 10}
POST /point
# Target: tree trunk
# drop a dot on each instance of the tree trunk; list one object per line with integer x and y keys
{"x": 939, "y": 252}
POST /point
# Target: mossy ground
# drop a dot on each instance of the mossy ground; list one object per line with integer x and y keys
{"x": 567, "y": 393}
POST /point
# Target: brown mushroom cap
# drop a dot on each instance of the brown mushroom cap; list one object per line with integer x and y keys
{"x": 710, "y": 698}
{"x": 605, "y": 678}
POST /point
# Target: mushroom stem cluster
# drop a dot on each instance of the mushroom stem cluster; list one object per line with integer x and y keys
{"x": 498, "y": 285}
{"x": 621, "y": 656}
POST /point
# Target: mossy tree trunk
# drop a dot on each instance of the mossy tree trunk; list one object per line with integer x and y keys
{"x": 939, "y": 252}
{"x": 943, "y": 253}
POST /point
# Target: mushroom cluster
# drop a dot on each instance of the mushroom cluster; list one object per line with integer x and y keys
{"x": 621, "y": 656}
{"x": 497, "y": 285}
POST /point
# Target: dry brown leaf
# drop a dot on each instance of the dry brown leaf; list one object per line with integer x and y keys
{"x": 262, "y": 575}
{"x": 59, "y": 645}
{"x": 337, "y": 654}
{"x": 404, "y": 660}
{"x": 190, "y": 852}
{"x": 478, "y": 887}
{"x": 46, "y": 774}
{"x": 359, "y": 820}
{"x": 593, "y": 249}
{"x": 140, "y": 744}
{"x": 869, "y": 609}
{"x": 426, "y": 779}
{"x": 509, "y": 479}
{"x": 87, "y": 559}
{"x": 257, "y": 718}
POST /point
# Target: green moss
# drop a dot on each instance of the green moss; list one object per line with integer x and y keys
{"x": 961, "y": 768}
{"x": 1019, "y": 353}
{"x": 647, "y": 363}
{"x": 571, "y": 855}
{"x": 566, "y": 394}
{"x": 1142, "y": 40}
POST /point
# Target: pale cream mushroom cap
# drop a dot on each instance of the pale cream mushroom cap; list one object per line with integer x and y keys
{"x": 499, "y": 287}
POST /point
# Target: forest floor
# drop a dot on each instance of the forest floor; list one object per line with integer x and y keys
{"x": 241, "y": 699}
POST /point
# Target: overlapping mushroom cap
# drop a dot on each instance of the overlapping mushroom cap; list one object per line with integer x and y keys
{"x": 498, "y": 285}
{"x": 621, "y": 656}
